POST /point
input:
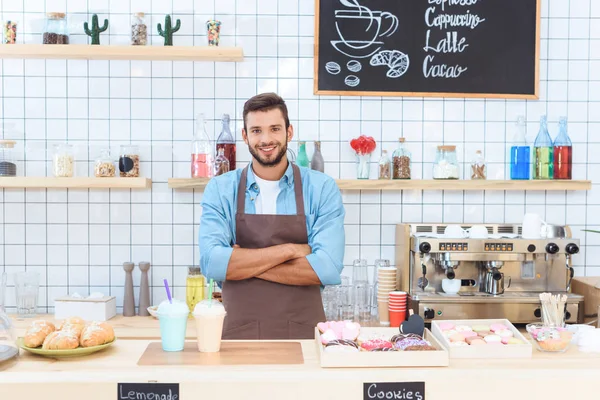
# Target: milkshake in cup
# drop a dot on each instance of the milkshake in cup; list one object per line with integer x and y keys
{"x": 173, "y": 324}
{"x": 209, "y": 315}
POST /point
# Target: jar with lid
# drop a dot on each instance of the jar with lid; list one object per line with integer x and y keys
{"x": 104, "y": 167}
{"x": 56, "y": 30}
{"x": 478, "y": 170}
{"x": 8, "y": 158}
{"x": 401, "y": 161}
{"x": 129, "y": 161}
{"x": 446, "y": 163}
{"x": 139, "y": 30}
{"x": 385, "y": 166}
{"x": 63, "y": 161}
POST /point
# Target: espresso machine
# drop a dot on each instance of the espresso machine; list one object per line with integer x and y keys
{"x": 500, "y": 277}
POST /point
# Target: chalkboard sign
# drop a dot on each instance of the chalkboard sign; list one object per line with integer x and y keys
{"x": 435, "y": 48}
{"x": 148, "y": 391}
{"x": 394, "y": 390}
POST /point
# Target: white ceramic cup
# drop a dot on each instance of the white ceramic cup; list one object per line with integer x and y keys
{"x": 532, "y": 227}
{"x": 478, "y": 232}
{"x": 454, "y": 231}
{"x": 451, "y": 286}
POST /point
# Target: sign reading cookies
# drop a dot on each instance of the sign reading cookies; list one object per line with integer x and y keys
{"x": 148, "y": 391}
{"x": 441, "y": 48}
{"x": 394, "y": 390}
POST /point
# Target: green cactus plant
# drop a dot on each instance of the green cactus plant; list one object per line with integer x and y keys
{"x": 169, "y": 30}
{"x": 95, "y": 32}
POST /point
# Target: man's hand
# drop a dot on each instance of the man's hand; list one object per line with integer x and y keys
{"x": 301, "y": 250}
{"x": 249, "y": 263}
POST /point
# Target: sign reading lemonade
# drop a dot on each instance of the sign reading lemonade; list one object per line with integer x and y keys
{"x": 442, "y": 48}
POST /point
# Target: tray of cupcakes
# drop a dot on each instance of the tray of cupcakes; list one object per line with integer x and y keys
{"x": 74, "y": 337}
{"x": 345, "y": 344}
{"x": 481, "y": 338}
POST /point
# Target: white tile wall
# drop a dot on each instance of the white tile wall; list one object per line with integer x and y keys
{"x": 78, "y": 239}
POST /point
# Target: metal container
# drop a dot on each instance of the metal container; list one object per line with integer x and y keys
{"x": 557, "y": 231}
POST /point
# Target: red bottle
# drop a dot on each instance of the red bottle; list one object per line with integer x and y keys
{"x": 226, "y": 142}
{"x": 563, "y": 152}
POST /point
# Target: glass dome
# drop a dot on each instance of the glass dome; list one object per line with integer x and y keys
{"x": 8, "y": 345}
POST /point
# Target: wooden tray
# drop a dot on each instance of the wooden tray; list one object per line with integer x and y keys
{"x": 365, "y": 359}
{"x": 232, "y": 353}
{"x": 504, "y": 351}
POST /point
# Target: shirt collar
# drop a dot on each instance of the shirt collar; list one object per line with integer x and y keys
{"x": 287, "y": 178}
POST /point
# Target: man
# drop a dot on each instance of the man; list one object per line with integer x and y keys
{"x": 273, "y": 233}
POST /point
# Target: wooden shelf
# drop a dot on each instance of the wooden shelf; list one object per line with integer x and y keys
{"x": 107, "y": 52}
{"x": 418, "y": 184}
{"x": 74, "y": 183}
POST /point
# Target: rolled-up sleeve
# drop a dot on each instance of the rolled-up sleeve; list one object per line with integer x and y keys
{"x": 327, "y": 238}
{"x": 215, "y": 235}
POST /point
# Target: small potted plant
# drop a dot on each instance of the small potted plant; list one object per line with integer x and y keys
{"x": 363, "y": 146}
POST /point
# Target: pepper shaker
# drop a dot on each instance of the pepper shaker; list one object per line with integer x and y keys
{"x": 128, "y": 298}
{"x": 144, "y": 290}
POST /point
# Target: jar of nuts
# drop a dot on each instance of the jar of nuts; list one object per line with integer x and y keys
{"x": 129, "y": 161}
{"x": 478, "y": 170}
{"x": 63, "y": 161}
{"x": 104, "y": 167}
{"x": 401, "y": 162}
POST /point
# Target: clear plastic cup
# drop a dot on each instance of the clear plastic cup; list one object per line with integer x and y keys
{"x": 209, "y": 315}
{"x": 173, "y": 319}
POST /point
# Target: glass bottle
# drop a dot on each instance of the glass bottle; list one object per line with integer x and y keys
{"x": 563, "y": 152}
{"x": 104, "y": 166}
{"x": 226, "y": 142}
{"x": 401, "y": 161}
{"x": 520, "y": 153}
{"x": 478, "y": 169}
{"x": 56, "y": 30}
{"x": 129, "y": 161}
{"x": 543, "y": 153}
{"x": 63, "y": 161}
{"x": 221, "y": 163}
{"x": 385, "y": 166}
{"x": 139, "y": 30}
{"x": 202, "y": 155}
{"x": 194, "y": 287}
{"x": 302, "y": 159}
{"x": 8, "y": 158}
{"x": 317, "y": 162}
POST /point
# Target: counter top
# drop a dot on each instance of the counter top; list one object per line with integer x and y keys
{"x": 569, "y": 375}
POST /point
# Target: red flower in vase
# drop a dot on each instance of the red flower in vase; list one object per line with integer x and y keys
{"x": 363, "y": 145}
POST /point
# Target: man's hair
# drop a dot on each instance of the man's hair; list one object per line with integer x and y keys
{"x": 266, "y": 102}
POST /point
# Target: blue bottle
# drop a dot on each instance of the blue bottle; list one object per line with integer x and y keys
{"x": 520, "y": 153}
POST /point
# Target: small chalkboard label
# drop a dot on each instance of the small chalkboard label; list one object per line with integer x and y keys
{"x": 394, "y": 391}
{"x": 148, "y": 391}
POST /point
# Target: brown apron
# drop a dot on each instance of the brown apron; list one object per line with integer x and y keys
{"x": 259, "y": 309}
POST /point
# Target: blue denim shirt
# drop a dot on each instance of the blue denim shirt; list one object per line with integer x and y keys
{"x": 324, "y": 220}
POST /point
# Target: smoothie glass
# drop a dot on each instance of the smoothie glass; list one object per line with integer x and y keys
{"x": 173, "y": 324}
{"x": 209, "y": 315}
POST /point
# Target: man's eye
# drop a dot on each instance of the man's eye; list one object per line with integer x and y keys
{"x": 256, "y": 131}
{"x": 276, "y": 129}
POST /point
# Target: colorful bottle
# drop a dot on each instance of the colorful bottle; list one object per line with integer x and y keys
{"x": 563, "y": 152}
{"x": 317, "y": 162}
{"x": 302, "y": 159}
{"x": 543, "y": 153}
{"x": 194, "y": 287}
{"x": 226, "y": 142}
{"x": 202, "y": 155}
{"x": 520, "y": 153}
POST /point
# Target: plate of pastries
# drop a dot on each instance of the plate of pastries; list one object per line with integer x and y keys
{"x": 72, "y": 338}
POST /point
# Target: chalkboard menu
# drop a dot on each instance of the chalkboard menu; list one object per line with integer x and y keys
{"x": 440, "y": 48}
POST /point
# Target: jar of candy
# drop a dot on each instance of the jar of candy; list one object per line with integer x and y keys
{"x": 129, "y": 161}
{"x": 446, "y": 163}
{"x": 8, "y": 158}
{"x": 104, "y": 167}
{"x": 56, "y": 30}
{"x": 63, "y": 161}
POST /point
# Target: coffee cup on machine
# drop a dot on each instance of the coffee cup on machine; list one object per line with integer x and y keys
{"x": 454, "y": 232}
{"x": 451, "y": 286}
{"x": 534, "y": 227}
{"x": 478, "y": 232}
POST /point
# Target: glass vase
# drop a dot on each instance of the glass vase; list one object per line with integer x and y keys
{"x": 362, "y": 166}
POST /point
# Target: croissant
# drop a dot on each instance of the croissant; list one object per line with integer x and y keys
{"x": 61, "y": 340}
{"x": 96, "y": 334}
{"x": 74, "y": 324}
{"x": 37, "y": 332}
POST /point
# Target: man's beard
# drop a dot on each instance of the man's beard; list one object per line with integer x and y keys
{"x": 269, "y": 162}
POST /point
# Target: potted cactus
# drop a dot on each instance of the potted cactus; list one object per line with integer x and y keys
{"x": 95, "y": 32}
{"x": 169, "y": 30}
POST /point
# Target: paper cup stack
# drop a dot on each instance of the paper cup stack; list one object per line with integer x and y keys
{"x": 386, "y": 283}
{"x": 397, "y": 308}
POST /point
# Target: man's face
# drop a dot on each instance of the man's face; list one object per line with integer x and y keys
{"x": 266, "y": 136}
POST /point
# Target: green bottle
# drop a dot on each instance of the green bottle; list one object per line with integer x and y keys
{"x": 302, "y": 159}
{"x": 543, "y": 153}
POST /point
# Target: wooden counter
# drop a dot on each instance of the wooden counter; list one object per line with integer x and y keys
{"x": 569, "y": 375}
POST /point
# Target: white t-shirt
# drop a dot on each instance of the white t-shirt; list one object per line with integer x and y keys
{"x": 266, "y": 201}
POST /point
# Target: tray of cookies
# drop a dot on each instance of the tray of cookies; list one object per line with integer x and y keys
{"x": 74, "y": 337}
{"x": 345, "y": 344}
{"x": 481, "y": 338}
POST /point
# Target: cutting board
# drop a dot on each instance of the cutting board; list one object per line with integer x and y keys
{"x": 232, "y": 353}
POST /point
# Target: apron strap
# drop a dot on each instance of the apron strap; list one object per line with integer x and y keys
{"x": 241, "y": 193}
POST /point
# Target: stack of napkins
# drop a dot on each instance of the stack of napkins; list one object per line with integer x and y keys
{"x": 589, "y": 341}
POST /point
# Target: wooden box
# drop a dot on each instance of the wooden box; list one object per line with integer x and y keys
{"x": 490, "y": 351}
{"x": 366, "y": 359}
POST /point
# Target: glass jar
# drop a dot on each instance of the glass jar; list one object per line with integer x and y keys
{"x": 56, "y": 30}
{"x": 385, "y": 166}
{"x": 104, "y": 167}
{"x": 10, "y": 32}
{"x": 63, "y": 161}
{"x": 446, "y": 163}
{"x": 129, "y": 161}
{"x": 478, "y": 170}
{"x": 8, "y": 158}
{"x": 221, "y": 163}
{"x": 401, "y": 160}
{"x": 139, "y": 30}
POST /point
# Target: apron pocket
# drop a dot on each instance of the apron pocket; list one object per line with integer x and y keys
{"x": 243, "y": 331}
{"x": 298, "y": 330}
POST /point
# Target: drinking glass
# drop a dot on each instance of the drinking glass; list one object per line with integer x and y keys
{"x": 346, "y": 302}
{"x": 379, "y": 263}
{"x": 359, "y": 272}
{"x": 362, "y": 302}
{"x": 27, "y": 286}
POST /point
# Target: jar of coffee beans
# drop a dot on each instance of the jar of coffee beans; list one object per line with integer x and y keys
{"x": 139, "y": 30}
{"x": 56, "y": 30}
{"x": 401, "y": 162}
{"x": 129, "y": 161}
{"x": 8, "y": 158}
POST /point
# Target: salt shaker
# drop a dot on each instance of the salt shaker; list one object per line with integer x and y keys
{"x": 144, "y": 290}
{"x": 128, "y": 298}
